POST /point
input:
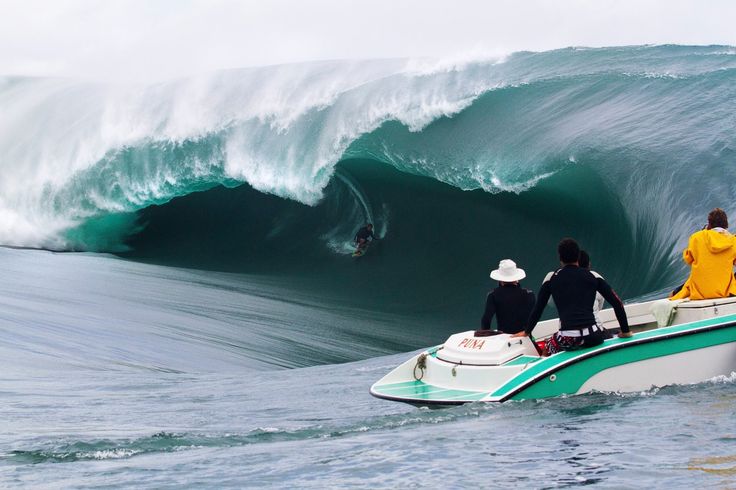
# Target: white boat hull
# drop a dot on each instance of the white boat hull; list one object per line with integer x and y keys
{"x": 467, "y": 369}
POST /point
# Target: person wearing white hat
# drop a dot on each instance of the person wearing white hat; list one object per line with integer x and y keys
{"x": 509, "y": 302}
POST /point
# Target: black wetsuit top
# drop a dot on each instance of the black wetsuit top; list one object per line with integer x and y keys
{"x": 573, "y": 290}
{"x": 511, "y": 304}
{"x": 364, "y": 233}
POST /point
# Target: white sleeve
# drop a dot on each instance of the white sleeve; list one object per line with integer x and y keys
{"x": 598, "y": 303}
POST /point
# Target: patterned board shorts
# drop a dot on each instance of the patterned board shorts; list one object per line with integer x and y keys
{"x": 558, "y": 342}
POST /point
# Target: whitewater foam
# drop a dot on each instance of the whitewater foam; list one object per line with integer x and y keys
{"x": 71, "y": 150}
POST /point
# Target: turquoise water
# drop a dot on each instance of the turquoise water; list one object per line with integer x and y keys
{"x": 118, "y": 374}
{"x": 273, "y": 169}
{"x": 200, "y": 320}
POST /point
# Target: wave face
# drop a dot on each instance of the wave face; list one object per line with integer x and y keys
{"x": 625, "y": 148}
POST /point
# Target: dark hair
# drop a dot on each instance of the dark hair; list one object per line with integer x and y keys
{"x": 584, "y": 260}
{"x": 717, "y": 218}
{"x": 369, "y": 224}
{"x": 569, "y": 251}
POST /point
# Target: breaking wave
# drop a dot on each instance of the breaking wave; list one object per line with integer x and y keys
{"x": 626, "y": 148}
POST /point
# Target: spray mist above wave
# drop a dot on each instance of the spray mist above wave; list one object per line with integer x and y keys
{"x": 72, "y": 150}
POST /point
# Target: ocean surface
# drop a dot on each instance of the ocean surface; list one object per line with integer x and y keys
{"x": 178, "y": 304}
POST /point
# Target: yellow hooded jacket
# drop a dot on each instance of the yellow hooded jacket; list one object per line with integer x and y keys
{"x": 711, "y": 255}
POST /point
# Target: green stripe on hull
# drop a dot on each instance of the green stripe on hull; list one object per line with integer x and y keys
{"x": 420, "y": 391}
{"x": 570, "y": 378}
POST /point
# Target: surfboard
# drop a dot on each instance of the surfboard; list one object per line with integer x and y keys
{"x": 360, "y": 252}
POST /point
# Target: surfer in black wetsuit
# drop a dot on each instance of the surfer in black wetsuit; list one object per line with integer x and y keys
{"x": 573, "y": 289}
{"x": 361, "y": 238}
{"x": 509, "y": 302}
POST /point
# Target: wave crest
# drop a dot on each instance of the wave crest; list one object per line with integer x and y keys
{"x": 74, "y": 150}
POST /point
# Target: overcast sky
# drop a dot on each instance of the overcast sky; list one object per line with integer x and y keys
{"x": 158, "y": 39}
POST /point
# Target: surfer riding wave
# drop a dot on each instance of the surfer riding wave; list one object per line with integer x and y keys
{"x": 363, "y": 238}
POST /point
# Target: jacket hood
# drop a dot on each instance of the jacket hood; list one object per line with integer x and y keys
{"x": 718, "y": 241}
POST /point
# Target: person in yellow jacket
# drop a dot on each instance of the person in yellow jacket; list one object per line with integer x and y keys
{"x": 711, "y": 254}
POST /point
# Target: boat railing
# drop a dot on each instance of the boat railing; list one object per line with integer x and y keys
{"x": 640, "y": 315}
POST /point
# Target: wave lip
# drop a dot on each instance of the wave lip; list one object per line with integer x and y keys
{"x": 72, "y": 151}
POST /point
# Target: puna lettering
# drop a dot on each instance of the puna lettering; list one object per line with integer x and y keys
{"x": 472, "y": 343}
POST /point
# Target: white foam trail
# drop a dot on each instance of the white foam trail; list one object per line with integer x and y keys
{"x": 360, "y": 213}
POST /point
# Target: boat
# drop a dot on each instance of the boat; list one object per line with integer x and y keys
{"x": 696, "y": 343}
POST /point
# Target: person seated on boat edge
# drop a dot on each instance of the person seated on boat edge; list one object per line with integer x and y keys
{"x": 573, "y": 290}
{"x": 362, "y": 236}
{"x": 711, "y": 254}
{"x": 509, "y": 302}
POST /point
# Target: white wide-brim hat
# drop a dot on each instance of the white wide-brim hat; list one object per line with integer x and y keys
{"x": 508, "y": 272}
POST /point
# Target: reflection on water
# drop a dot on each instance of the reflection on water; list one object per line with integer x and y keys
{"x": 716, "y": 465}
